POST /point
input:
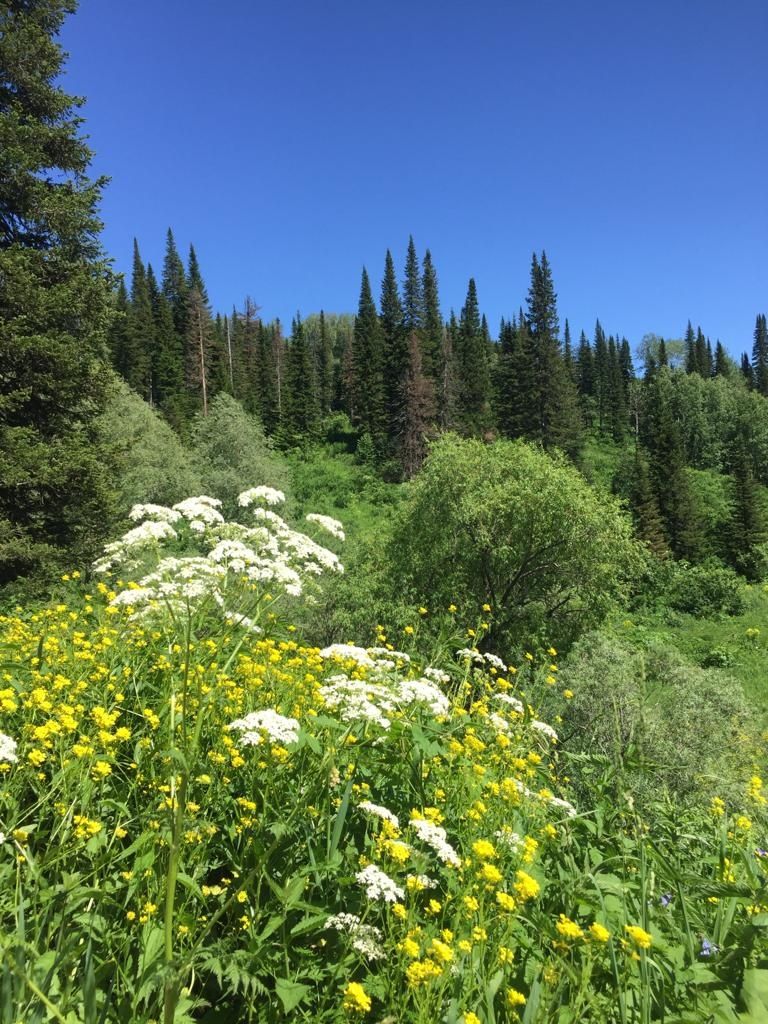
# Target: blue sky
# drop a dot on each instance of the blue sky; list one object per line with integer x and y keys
{"x": 293, "y": 142}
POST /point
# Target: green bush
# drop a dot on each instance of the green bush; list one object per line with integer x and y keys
{"x": 149, "y": 463}
{"x": 669, "y": 725}
{"x": 231, "y": 453}
{"x": 508, "y": 525}
{"x": 706, "y": 590}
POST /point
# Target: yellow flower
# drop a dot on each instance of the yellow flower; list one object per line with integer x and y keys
{"x": 483, "y": 849}
{"x": 409, "y": 947}
{"x": 527, "y": 888}
{"x": 479, "y": 934}
{"x": 441, "y": 951}
{"x": 490, "y": 873}
{"x": 599, "y": 932}
{"x": 506, "y": 955}
{"x": 101, "y": 770}
{"x": 422, "y": 971}
{"x": 471, "y": 1018}
{"x": 356, "y": 999}
{"x": 638, "y": 935}
{"x": 515, "y": 998}
{"x": 505, "y": 901}
{"x": 452, "y": 608}
{"x": 569, "y": 929}
{"x": 399, "y": 911}
{"x": 422, "y": 611}
{"x": 471, "y": 903}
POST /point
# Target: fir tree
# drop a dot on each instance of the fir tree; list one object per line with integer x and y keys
{"x": 417, "y": 411}
{"x": 722, "y": 364}
{"x": 325, "y": 366}
{"x": 55, "y": 307}
{"x": 141, "y": 329}
{"x": 300, "y": 415}
{"x": 198, "y": 348}
{"x": 760, "y": 356}
{"x": 746, "y": 522}
{"x": 746, "y": 369}
{"x": 645, "y": 509}
{"x": 703, "y": 360}
{"x": 585, "y": 379}
{"x": 472, "y": 363}
{"x": 432, "y": 323}
{"x": 691, "y": 360}
{"x": 413, "y": 294}
{"x": 394, "y": 341}
{"x": 174, "y": 284}
{"x": 369, "y": 369}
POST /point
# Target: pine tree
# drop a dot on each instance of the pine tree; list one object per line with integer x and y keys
{"x": 746, "y": 522}
{"x": 691, "y": 360}
{"x": 395, "y": 344}
{"x": 141, "y": 329}
{"x": 473, "y": 378}
{"x": 432, "y": 321}
{"x": 174, "y": 285}
{"x": 325, "y": 366}
{"x": 413, "y": 294}
{"x": 300, "y": 416}
{"x": 369, "y": 369}
{"x": 645, "y": 509}
{"x": 722, "y": 367}
{"x": 55, "y": 307}
{"x": 664, "y": 440}
{"x": 760, "y": 356}
{"x": 417, "y": 411}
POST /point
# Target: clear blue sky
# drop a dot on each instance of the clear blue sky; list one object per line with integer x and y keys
{"x": 293, "y": 142}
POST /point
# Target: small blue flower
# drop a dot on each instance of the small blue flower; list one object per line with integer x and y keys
{"x": 708, "y": 948}
{"x": 666, "y": 899}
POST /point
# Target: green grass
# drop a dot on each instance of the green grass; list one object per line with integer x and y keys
{"x": 721, "y": 643}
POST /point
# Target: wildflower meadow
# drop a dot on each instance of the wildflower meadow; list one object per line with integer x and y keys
{"x": 205, "y": 819}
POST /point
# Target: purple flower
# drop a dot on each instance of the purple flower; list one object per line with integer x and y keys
{"x": 666, "y": 899}
{"x": 708, "y": 948}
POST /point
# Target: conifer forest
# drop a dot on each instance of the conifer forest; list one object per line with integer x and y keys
{"x": 387, "y": 665}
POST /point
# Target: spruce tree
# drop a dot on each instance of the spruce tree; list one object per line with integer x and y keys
{"x": 585, "y": 379}
{"x": 746, "y": 369}
{"x": 394, "y": 341}
{"x": 300, "y": 416}
{"x": 417, "y": 411}
{"x": 174, "y": 284}
{"x": 55, "y": 307}
{"x": 432, "y": 321}
{"x": 472, "y": 363}
{"x": 325, "y": 366}
{"x": 760, "y": 356}
{"x": 746, "y": 522}
{"x": 141, "y": 341}
{"x": 645, "y": 509}
{"x": 703, "y": 361}
{"x": 413, "y": 294}
{"x": 722, "y": 364}
{"x": 691, "y": 360}
{"x": 369, "y": 369}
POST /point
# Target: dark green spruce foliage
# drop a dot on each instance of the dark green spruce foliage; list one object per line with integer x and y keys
{"x": 369, "y": 368}
{"x": 663, "y": 438}
{"x": 746, "y": 524}
{"x": 649, "y": 525}
{"x": 760, "y": 356}
{"x": 55, "y": 306}
{"x": 413, "y": 293}
{"x": 432, "y": 326}
{"x": 473, "y": 378}
{"x": 301, "y": 411}
{"x": 395, "y": 344}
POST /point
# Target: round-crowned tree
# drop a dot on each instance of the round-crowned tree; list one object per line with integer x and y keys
{"x": 519, "y": 529}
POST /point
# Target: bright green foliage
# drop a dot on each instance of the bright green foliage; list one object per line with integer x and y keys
{"x": 148, "y": 460}
{"x": 230, "y": 452}
{"x": 54, "y": 305}
{"x": 665, "y": 723}
{"x": 509, "y": 525}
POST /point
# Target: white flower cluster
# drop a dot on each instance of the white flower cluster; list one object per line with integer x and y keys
{"x": 564, "y": 805}
{"x": 378, "y": 885}
{"x": 436, "y": 837}
{"x": 436, "y": 675}
{"x": 259, "y": 495}
{"x": 379, "y": 812}
{"x": 509, "y": 838}
{"x": 157, "y": 512}
{"x": 270, "y": 553}
{"x": 472, "y": 654}
{"x": 544, "y": 728}
{"x": 130, "y": 546}
{"x": 366, "y": 939}
{"x": 268, "y": 722}
{"x": 333, "y": 526}
{"x": 7, "y": 748}
{"x": 377, "y": 699}
{"x": 344, "y": 651}
{"x": 511, "y": 702}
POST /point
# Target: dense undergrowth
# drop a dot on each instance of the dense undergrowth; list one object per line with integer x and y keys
{"x": 206, "y": 819}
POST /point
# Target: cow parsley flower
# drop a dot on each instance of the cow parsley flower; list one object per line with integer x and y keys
{"x": 379, "y": 812}
{"x": 545, "y": 729}
{"x": 436, "y": 837}
{"x": 378, "y": 885}
{"x": 333, "y": 526}
{"x": 267, "y": 495}
{"x": 366, "y": 938}
{"x": 255, "y": 725}
{"x": 7, "y": 748}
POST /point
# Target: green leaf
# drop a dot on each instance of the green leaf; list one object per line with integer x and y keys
{"x": 290, "y": 993}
